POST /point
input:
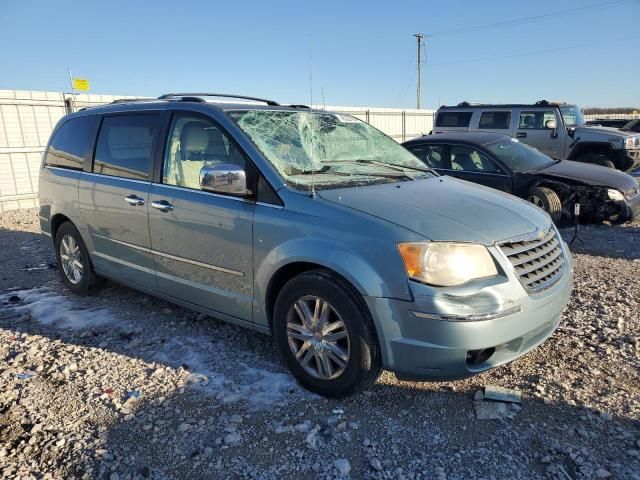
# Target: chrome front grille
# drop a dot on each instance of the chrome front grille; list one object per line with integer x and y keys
{"x": 538, "y": 262}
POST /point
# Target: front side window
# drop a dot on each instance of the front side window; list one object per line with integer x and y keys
{"x": 519, "y": 156}
{"x": 71, "y": 143}
{"x": 453, "y": 119}
{"x": 431, "y": 155}
{"x": 125, "y": 145}
{"x": 327, "y": 149}
{"x": 536, "y": 120}
{"x": 495, "y": 120}
{"x": 572, "y": 116}
{"x": 196, "y": 142}
{"x": 471, "y": 160}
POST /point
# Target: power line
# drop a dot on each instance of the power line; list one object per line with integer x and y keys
{"x": 525, "y": 54}
{"x": 534, "y": 18}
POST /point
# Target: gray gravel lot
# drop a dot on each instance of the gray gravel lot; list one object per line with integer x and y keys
{"x": 120, "y": 385}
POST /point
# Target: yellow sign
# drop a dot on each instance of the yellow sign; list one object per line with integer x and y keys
{"x": 81, "y": 84}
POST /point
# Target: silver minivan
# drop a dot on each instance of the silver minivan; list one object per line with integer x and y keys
{"x": 308, "y": 225}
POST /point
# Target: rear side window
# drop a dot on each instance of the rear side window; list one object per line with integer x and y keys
{"x": 71, "y": 143}
{"x": 125, "y": 145}
{"x": 495, "y": 120}
{"x": 453, "y": 119}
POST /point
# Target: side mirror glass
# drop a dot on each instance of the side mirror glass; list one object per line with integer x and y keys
{"x": 225, "y": 178}
{"x": 550, "y": 124}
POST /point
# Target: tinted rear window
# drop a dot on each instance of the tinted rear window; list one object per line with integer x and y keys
{"x": 495, "y": 120}
{"x": 125, "y": 145}
{"x": 71, "y": 143}
{"x": 453, "y": 119}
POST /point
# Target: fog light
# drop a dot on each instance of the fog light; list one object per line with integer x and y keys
{"x": 476, "y": 357}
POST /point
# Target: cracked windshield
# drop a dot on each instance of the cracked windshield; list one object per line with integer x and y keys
{"x": 327, "y": 150}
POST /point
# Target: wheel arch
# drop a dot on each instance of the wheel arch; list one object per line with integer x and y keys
{"x": 295, "y": 268}
{"x": 55, "y": 222}
{"x": 591, "y": 147}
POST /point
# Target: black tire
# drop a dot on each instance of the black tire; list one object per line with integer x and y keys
{"x": 597, "y": 159}
{"x": 364, "y": 360}
{"x": 547, "y": 200}
{"x": 88, "y": 279}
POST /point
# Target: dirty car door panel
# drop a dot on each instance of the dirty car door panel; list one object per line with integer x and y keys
{"x": 113, "y": 199}
{"x": 201, "y": 241}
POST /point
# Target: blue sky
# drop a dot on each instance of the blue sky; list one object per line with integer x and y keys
{"x": 363, "y": 51}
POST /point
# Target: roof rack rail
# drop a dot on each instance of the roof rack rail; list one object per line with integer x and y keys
{"x": 125, "y": 100}
{"x": 193, "y": 96}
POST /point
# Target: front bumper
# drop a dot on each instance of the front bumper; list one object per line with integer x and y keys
{"x": 630, "y": 209}
{"x": 419, "y": 348}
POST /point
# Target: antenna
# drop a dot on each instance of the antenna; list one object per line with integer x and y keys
{"x": 313, "y": 188}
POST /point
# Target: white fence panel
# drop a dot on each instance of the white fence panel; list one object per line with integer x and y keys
{"x": 28, "y": 117}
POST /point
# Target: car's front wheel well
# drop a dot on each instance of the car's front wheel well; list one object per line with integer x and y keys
{"x": 287, "y": 272}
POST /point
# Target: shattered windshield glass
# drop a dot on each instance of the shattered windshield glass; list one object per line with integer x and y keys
{"x": 328, "y": 149}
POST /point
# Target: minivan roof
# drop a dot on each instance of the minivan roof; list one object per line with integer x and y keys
{"x": 142, "y": 104}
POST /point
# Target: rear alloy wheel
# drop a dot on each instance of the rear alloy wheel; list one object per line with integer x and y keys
{"x": 73, "y": 259}
{"x": 325, "y": 335}
{"x": 547, "y": 200}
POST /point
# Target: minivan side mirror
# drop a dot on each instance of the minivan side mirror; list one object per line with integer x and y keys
{"x": 224, "y": 178}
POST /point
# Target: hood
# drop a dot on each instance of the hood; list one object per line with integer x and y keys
{"x": 616, "y": 132}
{"x": 445, "y": 209}
{"x": 590, "y": 174}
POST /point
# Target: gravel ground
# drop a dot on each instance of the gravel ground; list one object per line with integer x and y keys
{"x": 120, "y": 385}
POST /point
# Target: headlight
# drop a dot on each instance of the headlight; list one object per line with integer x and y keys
{"x": 631, "y": 143}
{"x": 446, "y": 264}
{"x": 615, "y": 195}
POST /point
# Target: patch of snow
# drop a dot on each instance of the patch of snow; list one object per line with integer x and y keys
{"x": 49, "y": 308}
{"x": 259, "y": 387}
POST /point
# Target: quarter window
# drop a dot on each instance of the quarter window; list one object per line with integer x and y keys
{"x": 431, "y": 155}
{"x": 536, "y": 120}
{"x": 125, "y": 145}
{"x": 71, "y": 143}
{"x": 470, "y": 160}
{"x": 495, "y": 120}
{"x": 453, "y": 119}
{"x": 195, "y": 142}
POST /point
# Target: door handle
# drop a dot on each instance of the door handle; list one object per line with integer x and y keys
{"x": 521, "y": 134}
{"x": 134, "y": 200}
{"x": 162, "y": 205}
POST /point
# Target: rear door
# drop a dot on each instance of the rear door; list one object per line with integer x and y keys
{"x": 202, "y": 242}
{"x": 114, "y": 197}
{"x": 470, "y": 164}
{"x": 432, "y": 155}
{"x": 532, "y": 129}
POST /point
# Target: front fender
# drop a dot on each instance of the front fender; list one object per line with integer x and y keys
{"x": 382, "y": 278}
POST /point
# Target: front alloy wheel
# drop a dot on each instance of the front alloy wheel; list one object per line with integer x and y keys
{"x": 325, "y": 334}
{"x": 318, "y": 337}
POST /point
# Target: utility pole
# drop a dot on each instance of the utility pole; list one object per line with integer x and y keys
{"x": 419, "y": 37}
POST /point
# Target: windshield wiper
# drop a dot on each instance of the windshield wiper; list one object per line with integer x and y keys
{"x": 393, "y": 166}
